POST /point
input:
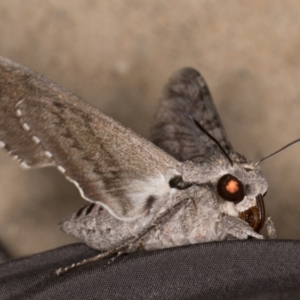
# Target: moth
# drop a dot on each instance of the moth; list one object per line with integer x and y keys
{"x": 188, "y": 186}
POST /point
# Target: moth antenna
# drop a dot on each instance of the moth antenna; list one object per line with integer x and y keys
{"x": 276, "y": 152}
{"x": 212, "y": 138}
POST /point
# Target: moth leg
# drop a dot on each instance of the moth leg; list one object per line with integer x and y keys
{"x": 161, "y": 218}
{"x": 142, "y": 246}
{"x": 129, "y": 247}
{"x": 237, "y": 228}
{"x": 114, "y": 257}
{"x": 270, "y": 228}
{"x": 83, "y": 262}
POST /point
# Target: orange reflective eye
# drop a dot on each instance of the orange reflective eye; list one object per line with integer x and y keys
{"x": 232, "y": 186}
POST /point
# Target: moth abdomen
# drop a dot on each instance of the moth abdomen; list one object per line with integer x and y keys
{"x": 89, "y": 209}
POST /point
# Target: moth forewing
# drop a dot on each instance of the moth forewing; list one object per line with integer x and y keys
{"x": 100, "y": 156}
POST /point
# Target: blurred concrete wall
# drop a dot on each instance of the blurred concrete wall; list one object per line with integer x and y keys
{"x": 119, "y": 54}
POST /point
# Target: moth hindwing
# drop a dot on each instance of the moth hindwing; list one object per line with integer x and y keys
{"x": 188, "y": 186}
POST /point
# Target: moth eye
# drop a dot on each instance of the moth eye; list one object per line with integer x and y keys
{"x": 230, "y": 188}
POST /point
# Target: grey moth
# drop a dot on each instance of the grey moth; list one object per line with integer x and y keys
{"x": 188, "y": 186}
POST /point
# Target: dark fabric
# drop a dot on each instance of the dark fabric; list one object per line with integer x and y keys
{"x": 248, "y": 269}
{"x": 4, "y": 254}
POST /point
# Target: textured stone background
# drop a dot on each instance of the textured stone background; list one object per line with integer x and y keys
{"x": 119, "y": 54}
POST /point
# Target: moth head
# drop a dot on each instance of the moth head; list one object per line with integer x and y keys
{"x": 238, "y": 183}
{"x": 237, "y": 189}
{"x": 242, "y": 188}
{"x": 241, "y": 183}
{"x": 248, "y": 181}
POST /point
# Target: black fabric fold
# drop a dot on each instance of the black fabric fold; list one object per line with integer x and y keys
{"x": 248, "y": 269}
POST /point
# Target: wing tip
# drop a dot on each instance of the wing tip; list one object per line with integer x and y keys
{"x": 186, "y": 82}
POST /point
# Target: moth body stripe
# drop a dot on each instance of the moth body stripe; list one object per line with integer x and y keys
{"x": 19, "y": 112}
{"x": 36, "y": 139}
{"x": 79, "y": 213}
{"x": 2, "y": 145}
{"x": 90, "y": 208}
